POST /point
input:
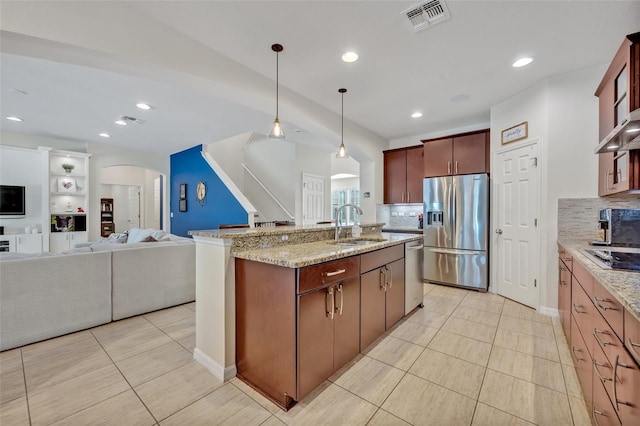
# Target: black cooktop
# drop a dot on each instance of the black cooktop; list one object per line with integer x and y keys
{"x": 612, "y": 259}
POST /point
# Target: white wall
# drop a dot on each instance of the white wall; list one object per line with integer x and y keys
{"x": 103, "y": 155}
{"x": 314, "y": 162}
{"x": 23, "y": 167}
{"x": 562, "y": 114}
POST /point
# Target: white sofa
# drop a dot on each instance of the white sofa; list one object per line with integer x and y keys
{"x": 43, "y": 296}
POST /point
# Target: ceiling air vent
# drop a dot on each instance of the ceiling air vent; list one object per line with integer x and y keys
{"x": 426, "y": 14}
{"x": 131, "y": 120}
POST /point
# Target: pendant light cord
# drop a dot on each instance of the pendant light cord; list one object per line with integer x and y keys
{"x": 277, "y": 81}
{"x": 342, "y": 134}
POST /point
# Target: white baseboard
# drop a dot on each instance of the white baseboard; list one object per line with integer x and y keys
{"x": 220, "y": 372}
{"x": 549, "y": 311}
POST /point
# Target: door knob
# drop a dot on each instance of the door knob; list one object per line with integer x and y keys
{"x": 499, "y": 231}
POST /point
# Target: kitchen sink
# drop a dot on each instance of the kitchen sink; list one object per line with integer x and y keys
{"x": 361, "y": 242}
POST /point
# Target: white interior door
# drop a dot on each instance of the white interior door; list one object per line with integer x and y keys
{"x": 312, "y": 199}
{"x": 517, "y": 189}
{"x": 133, "y": 219}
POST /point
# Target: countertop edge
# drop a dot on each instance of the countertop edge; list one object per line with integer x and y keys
{"x": 623, "y": 285}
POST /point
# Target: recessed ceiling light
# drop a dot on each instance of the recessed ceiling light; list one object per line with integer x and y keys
{"x": 350, "y": 57}
{"x": 613, "y": 147}
{"x": 633, "y": 130}
{"x": 522, "y": 62}
{"x": 143, "y": 106}
{"x": 416, "y": 115}
{"x": 120, "y": 122}
{"x": 105, "y": 135}
{"x": 13, "y": 118}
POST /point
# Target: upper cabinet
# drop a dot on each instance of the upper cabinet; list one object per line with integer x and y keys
{"x": 403, "y": 174}
{"x": 457, "y": 155}
{"x": 619, "y": 114}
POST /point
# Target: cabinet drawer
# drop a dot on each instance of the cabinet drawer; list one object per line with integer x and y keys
{"x": 605, "y": 338}
{"x": 584, "y": 278}
{"x": 627, "y": 389}
{"x": 632, "y": 335}
{"x": 378, "y": 258}
{"x": 582, "y": 362}
{"x": 602, "y": 410}
{"x": 609, "y": 308}
{"x": 583, "y": 311}
{"x": 316, "y": 276}
{"x": 566, "y": 258}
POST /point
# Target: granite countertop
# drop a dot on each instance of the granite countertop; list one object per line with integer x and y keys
{"x": 269, "y": 231}
{"x": 623, "y": 285}
{"x": 407, "y": 229}
{"x": 300, "y": 255}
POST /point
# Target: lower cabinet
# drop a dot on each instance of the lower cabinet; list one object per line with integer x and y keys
{"x": 565, "y": 263}
{"x": 63, "y": 241}
{"x": 21, "y": 243}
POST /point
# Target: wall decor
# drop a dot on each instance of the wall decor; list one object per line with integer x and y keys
{"x": 201, "y": 193}
{"x": 67, "y": 185}
{"x": 183, "y": 191}
{"x": 515, "y": 133}
{"x": 183, "y": 206}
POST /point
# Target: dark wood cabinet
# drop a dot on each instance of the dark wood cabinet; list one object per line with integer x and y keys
{"x": 403, "y": 175}
{"x": 619, "y": 94}
{"x": 457, "y": 155}
{"x": 382, "y": 292}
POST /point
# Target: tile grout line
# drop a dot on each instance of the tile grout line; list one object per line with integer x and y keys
{"x": 26, "y": 393}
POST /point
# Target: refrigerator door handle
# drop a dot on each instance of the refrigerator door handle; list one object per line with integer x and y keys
{"x": 452, "y": 251}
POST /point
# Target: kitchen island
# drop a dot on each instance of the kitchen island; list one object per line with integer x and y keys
{"x": 221, "y": 259}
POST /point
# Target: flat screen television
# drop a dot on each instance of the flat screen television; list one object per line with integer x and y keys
{"x": 12, "y": 201}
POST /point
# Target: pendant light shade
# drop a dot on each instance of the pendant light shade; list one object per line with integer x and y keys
{"x": 276, "y": 129}
{"x": 342, "y": 151}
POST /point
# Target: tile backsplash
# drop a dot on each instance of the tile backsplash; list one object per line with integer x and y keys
{"x": 399, "y": 215}
{"x": 578, "y": 217}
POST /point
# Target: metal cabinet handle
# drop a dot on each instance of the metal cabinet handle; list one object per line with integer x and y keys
{"x": 382, "y": 279}
{"x": 390, "y": 277}
{"x": 574, "y": 350}
{"x": 449, "y": 167}
{"x": 408, "y": 197}
{"x": 402, "y": 197}
{"x": 597, "y": 301}
{"x": 575, "y": 308}
{"x": 596, "y": 364}
{"x": 600, "y": 413}
{"x": 615, "y": 382}
{"x": 341, "y": 299}
{"x": 601, "y": 342}
{"x": 456, "y": 166}
{"x": 331, "y": 310}
{"x": 632, "y": 349}
{"x": 334, "y": 273}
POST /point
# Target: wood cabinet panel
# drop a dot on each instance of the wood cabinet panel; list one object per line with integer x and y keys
{"x": 394, "y": 309}
{"x": 438, "y": 155}
{"x": 602, "y": 411}
{"x": 582, "y": 311}
{"x": 610, "y": 309}
{"x": 378, "y": 258}
{"x": 564, "y": 297}
{"x": 632, "y": 335}
{"x": 346, "y": 330}
{"x": 584, "y": 278}
{"x": 415, "y": 174}
{"x": 316, "y": 276}
{"x": 469, "y": 154}
{"x": 395, "y": 176}
{"x": 315, "y": 339}
{"x": 627, "y": 389}
{"x": 582, "y": 361}
{"x": 372, "y": 307}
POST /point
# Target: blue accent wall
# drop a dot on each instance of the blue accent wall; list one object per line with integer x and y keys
{"x": 221, "y": 206}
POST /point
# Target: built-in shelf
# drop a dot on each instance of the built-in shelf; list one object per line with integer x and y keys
{"x": 73, "y": 194}
{"x": 73, "y": 175}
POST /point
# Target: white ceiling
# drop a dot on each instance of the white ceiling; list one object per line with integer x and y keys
{"x": 398, "y": 72}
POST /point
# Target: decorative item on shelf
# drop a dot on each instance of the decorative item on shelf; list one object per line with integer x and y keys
{"x": 69, "y": 208}
{"x": 80, "y": 210}
{"x": 276, "y": 131}
{"x": 201, "y": 193}
{"x": 67, "y": 185}
{"x": 68, "y": 168}
{"x": 342, "y": 151}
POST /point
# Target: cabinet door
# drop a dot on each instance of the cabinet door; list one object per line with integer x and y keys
{"x": 315, "y": 338}
{"x": 58, "y": 242}
{"x": 602, "y": 411}
{"x": 437, "y": 157}
{"x": 395, "y": 177}
{"x": 29, "y": 243}
{"x": 627, "y": 389}
{"x": 583, "y": 363}
{"x": 77, "y": 238}
{"x": 372, "y": 307}
{"x": 469, "y": 154}
{"x": 395, "y": 293}
{"x": 346, "y": 326}
{"x": 564, "y": 297}
{"x": 415, "y": 174}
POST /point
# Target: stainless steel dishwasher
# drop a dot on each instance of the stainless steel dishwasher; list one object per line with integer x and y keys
{"x": 414, "y": 288}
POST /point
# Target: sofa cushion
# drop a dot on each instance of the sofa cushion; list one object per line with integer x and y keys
{"x": 137, "y": 235}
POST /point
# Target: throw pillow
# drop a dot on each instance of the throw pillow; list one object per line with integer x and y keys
{"x": 149, "y": 239}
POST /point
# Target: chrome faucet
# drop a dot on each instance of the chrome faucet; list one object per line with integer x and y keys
{"x": 338, "y": 211}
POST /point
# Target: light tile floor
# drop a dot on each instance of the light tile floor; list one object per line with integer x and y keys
{"x": 466, "y": 359}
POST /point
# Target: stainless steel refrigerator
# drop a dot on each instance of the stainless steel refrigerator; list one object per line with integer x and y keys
{"x": 456, "y": 224}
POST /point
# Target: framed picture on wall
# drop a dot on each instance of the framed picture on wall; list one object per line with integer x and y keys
{"x": 183, "y": 205}
{"x": 183, "y": 191}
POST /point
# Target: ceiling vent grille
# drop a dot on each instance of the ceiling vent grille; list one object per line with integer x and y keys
{"x": 427, "y": 14}
{"x": 131, "y": 120}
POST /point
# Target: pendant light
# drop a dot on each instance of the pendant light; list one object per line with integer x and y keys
{"x": 342, "y": 151}
{"x": 276, "y": 130}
